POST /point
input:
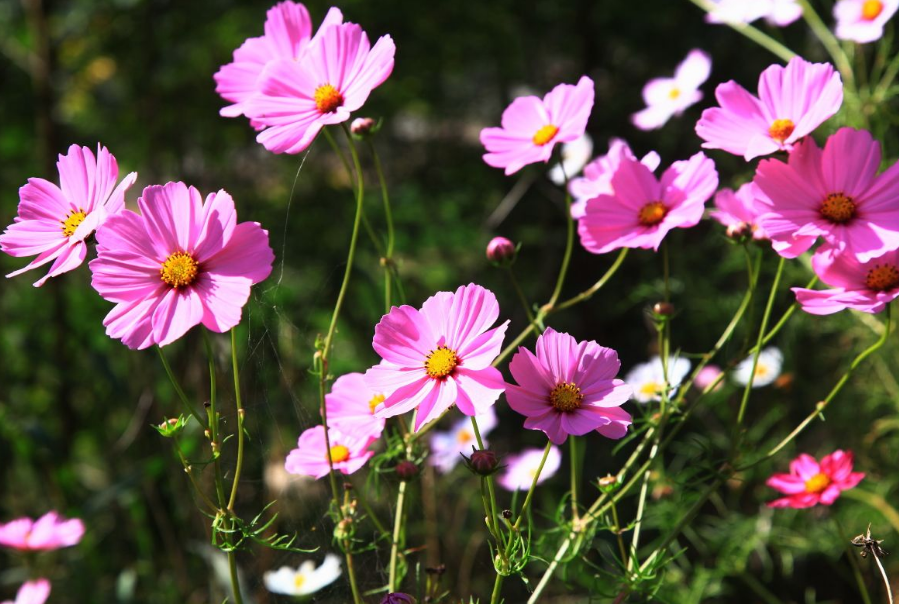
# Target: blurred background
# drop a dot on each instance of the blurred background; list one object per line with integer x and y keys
{"x": 76, "y": 406}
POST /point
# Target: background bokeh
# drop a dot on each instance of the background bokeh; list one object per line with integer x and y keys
{"x": 76, "y": 407}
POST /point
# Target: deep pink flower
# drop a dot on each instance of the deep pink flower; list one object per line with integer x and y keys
{"x": 53, "y": 222}
{"x": 740, "y": 211}
{"x": 863, "y": 20}
{"x": 569, "y": 387}
{"x": 531, "y": 127}
{"x": 348, "y": 452}
{"x": 597, "y": 178}
{"x": 668, "y": 97}
{"x": 178, "y": 263}
{"x": 32, "y": 592}
{"x": 643, "y": 209}
{"x": 865, "y": 286}
{"x": 297, "y": 99}
{"x": 440, "y": 355}
{"x": 288, "y": 30}
{"x": 835, "y": 193}
{"x": 46, "y": 533}
{"x": 792, "y": 102}
{"x": 810, "y": 483}
{"x": 521, "y": 468}
{"x": 351, "y": 406}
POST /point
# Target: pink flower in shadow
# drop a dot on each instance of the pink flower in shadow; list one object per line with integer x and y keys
{"x": 810, "y": 483}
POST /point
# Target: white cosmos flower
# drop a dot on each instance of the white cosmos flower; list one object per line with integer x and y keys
{"x": 768, "y": 368}
{"x": 575, "y": 156}
{"x": 304, "y": 580}
{"x": 648, "y": 379}
{"x": 447, "y": 446}
{"x": 521, "y": 468}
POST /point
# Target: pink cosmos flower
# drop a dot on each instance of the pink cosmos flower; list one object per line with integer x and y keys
{"x": 863, "y": 20}
{"x": 668, "y": 97}
{"x": 447, "y": 447}
{"x": 740, "y": 211}
{"x": 835, "y": 193}
{"x": 297, "y": 99}
{"x": 521, "y": 468}
{"x": 643, "y": 209}
{"x": 32, "y": 592}
{"x": 53, "y": 222}
{"x": 776, "y": 12}
{"x": 569, "y": 387}
{"x": 531, "y": 127}
{"x": 865, "y": 286}
{"x": 348, "y": 452}
{"x": 810, "y": 483}
{"x": 351, "y": 406}
{"x": 288, "y": 30}
{"x": 597, "y": 178}
{"x": 792, "y": 102}
{"x": 46, "y": 533}
{"x": 440, "y": 355}
{"x": 178, "y": 263}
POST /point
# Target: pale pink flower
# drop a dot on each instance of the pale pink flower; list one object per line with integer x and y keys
{"x": 447, "y": 447}
{"x": 863, "y": 20}
{"x": 597, "y": 178}
{"x": 440, "y": 355}
{"x": 668, "y": 97}
{"x": 864, "y": 286}
{"x": 810, "y": 483}
{"x": 643, "y": 209}
{"x": 297, "y": 99}
{"x": 53, "y": 222}
{"x": 521, "y": 468}
{"x": 48, "y": 532}
{"x": 178, "y": 263}
{"x": 288, "y": 31}
{"x": 351, "y": 406}
{"x": 531, "y": 127}
{"x": 707, "y": 376}
{"x": 792, "y": 102}
{"x": 776, "y": 12}
{"x": 835, "y": 193}
{"x": 739, "y": 211}
{"x": 32, "y": 592}
{"x": 348, "y": 452}
{"x": 569, "y": 388}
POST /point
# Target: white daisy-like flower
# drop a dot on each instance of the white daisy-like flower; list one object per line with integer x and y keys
{"x": 521, "y": 468}
{"x": 575, "y": 156}
{"x": 768, "y": 369}
{"x": 648, "y": 379}
{"x": 305, "y": 580}
{"x": 447, "y": 446}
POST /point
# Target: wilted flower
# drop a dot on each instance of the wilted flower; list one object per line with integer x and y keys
{"x": 766, "y": 370}
{"x": 863, "y": 20}
{"x": 648, "y": 379}
{"x": 48, "y": 532}
{"x": 668, "y": 97}
{"x": 305, "y": 580}
{"x": 864, "y": 286}
{"x": 32, "y": 592}
{"x": 521, "y": 468}
{"x": 348, "y": 452}
{"x": 810, "y": 483}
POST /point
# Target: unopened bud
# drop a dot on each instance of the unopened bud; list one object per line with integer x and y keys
{"x": 362, "y": 126}
{"x": 171, "y": 427}
{"x": 507, "y": 514}
{"x": 483, "y": 462}
{"x": 343, "y": 530}
{"x": 740, "y": 230}
{"x": 664, "y": 309}
{"x": 608, "y": 483}
{"x": 397, "y": 598}
{"x": 501, "y": 252}
{"x": 406, "y": 470}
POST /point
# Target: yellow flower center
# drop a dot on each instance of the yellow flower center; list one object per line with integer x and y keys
{"x": 327, "y": 98}
{"x": 375, "y": 401}
{"x": 339, "y": 453}
{"x": 674, "y": 93}
{"x": 817, "y": 483}
{"x": 871, "y": 9}
{"x": 179, "y": 270}
{"x": 838, "y": 208}
{"x": 464, "y": 436}
{"x": 882, "y": 277}
{"x": 761, "y": 370}
{"x": 441, "y": 362}
{"x": 298, "y": 581}
{"x": 652, "y": 213}
{"x": 545, "y": 134}
{"x": 566, "y": 397}
{"x": 70, "y": 224}
{"x": 781, "y": 130}
{"x": 651, "y": 389}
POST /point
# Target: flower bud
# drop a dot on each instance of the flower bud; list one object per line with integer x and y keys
{"x": 344, "y": 530}
{"x": 483, "y": 462}
{"x": 397, "y": 598}
{"x": 609, "y": 483}
{"x": 406, "y": 470}
{"x": 664, "y": 309}
{"x": 171, "y": 427}
{"x": 362, "y": 126}
{"x": 501, "y": 252}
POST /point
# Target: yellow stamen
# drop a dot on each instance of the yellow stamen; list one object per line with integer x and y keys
{"x": 652, "y": 389}
{"x": 70, "y": 224}
{"x": 327, "y": 98}
{"x": 781, "y": 130}
{"x": 441, "y": 362}
{"x": 375, "y": 401}
{"x": 545, "y": 134}
{"x": 871, "y": 9}
{"x": 339, "y": 453}
{"x": 566, "y": 397}
{"x": 652, "y": 213}
{"x": 298, "y": 581}
{"x": 179, "y": 270}
{"x": 882, "y": 277}
{"x": 817, "y": 483}
{"x": 838, "y": 208}
{"x": 674, "y": 93}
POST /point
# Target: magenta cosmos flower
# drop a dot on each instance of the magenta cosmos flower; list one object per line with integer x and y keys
{"x": 348, "y": 452}
{"x": 810, "y": 483}
{"x": 351, "y": 406}
{"x": 178, "y": 263}
{"x": 792, "y": 102}
{"x": 597, "y": 178}
{"x": 335, "y": 77}
{"x": 669, "y": 97}
{"x": 863, "y": 20}
{"x": 46, "y": 533}
{"x": 531, "y": 127}
{"x": 53, "y": 222}
{"x": 440, "y": 355}
{"x": 288, "y": 30}
{"x": 569, "y": 387}
{"x": 865, "y": 286}
{"x": 739, "y": 211}
{"x": 643, "y": 209}
{"x": 835, "y": 193}
{"x": 32, "y": 592}
{"x": 521, "y": 468}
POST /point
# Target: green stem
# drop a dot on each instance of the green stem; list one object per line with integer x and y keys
{"x": 387, "y": 260}
{"x": 521, "y": 296}
{"x": 370, "y": 512}
{"x": 621, "y": 549}
{"x": 530, "y": 495}
{"x": 889, "y": 76}
{"x": 575, "y": 513}
{"x": 756, "y": 35}
{"x": 184, "y": 401}
{"x": 588, "y": 293}
{"x": 400, "y": 512}
{"x": 566, "y": 259}
{"x": 497, "y": 589}
{"x": 829, "y": 41}
{"x": 351, "y": 572}
{"x": 240, "y": 419}
{"x": 235, "y": 580}
{"x": 492, "y": 492}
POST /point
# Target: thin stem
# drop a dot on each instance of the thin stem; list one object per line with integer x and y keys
{"x": 369, "y": 512}
{"x": 240, "y": 418}
{"x": 521, "y": 296}
{"x": 569, "y": 245}
{"x": 829, "y": 41}
{"x": 886, "y": 581}
{"x": 400, "y": 511}
{"x": 588, "y": 293}
{"x": 184, "y": 401}
{"x": 756, "y": 35}
{"x": 621, "y": 549}
{"x": 490, "y": 488}
{"x": 889, "y": 75}
{"x": 497, "y": 589}
{"x": 235, "y": 580}
{"x": 387, "y": 260}
{"x": 575, "y": 513}
{"x": 853, "y": 562}
{"x": 357, "y": 597}
{"x": 530, "y": 495}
